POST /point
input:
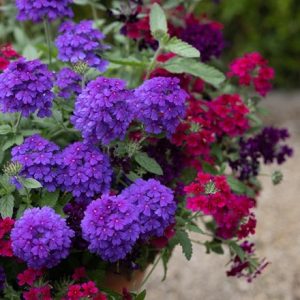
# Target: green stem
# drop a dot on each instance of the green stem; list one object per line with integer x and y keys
{"x": 94, "y": 11}
{"x": 16, "y": 128}
{"x": 48, "y": 39}
{"x": 151, "y": 271}
{"x": 153, "y": 62}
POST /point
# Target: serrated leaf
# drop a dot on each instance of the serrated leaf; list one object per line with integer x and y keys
{"x": 181, "y": 48}
{"x": 207, "y": 73}
{"x": 49, "y": 199}
{"x": 214, "y": 246}
{"x": 4, "y": 129}
{"x": 183, "y": 239}
{"x": 194, "y": 228}
{"x": 31, "y": 183}
{"x": 148, "y": 163}
{"x": 158, "y": 21}
{"x": 7, "y": 206}
{"x": 132, "y": 176}
{"x": 21, "y": 210}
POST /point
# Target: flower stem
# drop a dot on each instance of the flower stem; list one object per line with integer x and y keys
{"x": 48, "y": 39}
{"x": 16, "y": 128}
{"x": 153, "y": 62}
{"x": 151, "y": 271}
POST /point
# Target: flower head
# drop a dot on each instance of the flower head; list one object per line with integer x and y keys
{"x": 41, "y": 238}
{"x": 37, "y": 10}
{"x": 111, "y": 227}
{"x": 68, "y": 83}
{"x": 155, "y": 204}
{"x": 84, "y": 171}
{"x": 7, "y": 53}
{"x": 81, "y": 42}
{"x": 159, "y": 104}
{"x": 206, "y": 37}
{"x": 38, "y": 158}
{"x": 25, "y": 87}
{"x": 102, "y": 111}
{"x": 253, "y": 68}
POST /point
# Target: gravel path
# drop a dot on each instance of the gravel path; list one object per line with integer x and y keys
{"x": 278, "y": 236}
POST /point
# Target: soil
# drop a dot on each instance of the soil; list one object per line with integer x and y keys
{"x": 277, "y": 239}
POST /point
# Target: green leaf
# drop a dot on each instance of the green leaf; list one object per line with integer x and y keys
{"x": 158, "y": 21}
{"x": 31, "y": 183}
{"x": 181, "y": 48}
{"x": 21, "y": 210}
{"x": 10, "y": 293}
{"x": 148, "y": 163}
{"x": 208, "y": 168}
{"x": 7, "y": 206}
{"x": 16, "y": 140}
{"x": 4, "y": 129}
{"x": 30, "y": 52}
{"x": 141, "y": 296}
{"x": 214, "y": 246}
{"x": 183, "y": 239}
{"x": 205, "y": 72}
{"x": 237, "y": 250}
{"x": 132, "y": 176}
{"x": 49, "y": 199}
{"x": 194, "y": 228}
{"x": 236, "y": 185}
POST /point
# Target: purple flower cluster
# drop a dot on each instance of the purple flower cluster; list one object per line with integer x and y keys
{"x": 155, "y": 204}
{"x": 37, "y": 10}
{"x": 68, "y": 83}
{"x": 206, "y": 38}
{"x": 38, "y": 158}
{"x": 102, "y": 111}
{"x": 81, "y": 42}
{"x": 41, "y": 238}
{"x": 266, "y": 145}
{"x": 2, "y": 278}
{"x": 25, "y": 87}
{"x": 75, "y": 213}
{"x": 159, "y": 104}
{"x": 84, "y": 171}
{"x": 111, "y": 227}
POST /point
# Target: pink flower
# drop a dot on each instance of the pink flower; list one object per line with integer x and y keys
{"x": 79, "y": 273}
{"x": 29, "y": 276}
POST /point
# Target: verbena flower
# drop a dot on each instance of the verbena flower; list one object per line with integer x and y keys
{"x": 39, "y": 160}
{"x": 228, "y": 115}
{"x": 266, "y": 145}
{"x": 227, "y": 208}
{"x": 103, "y": 110}
{"x": 68, "y": 82}
{"x": 41, "y": 238}
{"x": 206, "y": 37}
{"x": 7, "y": 53}
{"x": 155, "y": 204}
{"x": 84, "y": 171}
{"x": 253, "y": 68}
{"x": 81, "y": 42}
{"x": 25, "y": 87}
{"x": 159, "y": 104}
{"x": 111, "y": 227}
{"x": 37, "y": 10}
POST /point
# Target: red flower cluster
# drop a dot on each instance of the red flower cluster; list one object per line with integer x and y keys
{"x": 212, "y": 196}
{"x": 29, "y": 276}
{"x": 7, "y": 53}
{"x": 6, "y": 226}
{"x": 241, "y": 268}
{"x": 253, "y": 68}
{"x": 84, "y": 290}
{"x": 195, "y": 131}
{"x": 228, "y": 115}
{"x": 37, "y": 293}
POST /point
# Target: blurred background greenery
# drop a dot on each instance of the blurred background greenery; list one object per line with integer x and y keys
{"x": 271, "y": 27}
